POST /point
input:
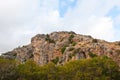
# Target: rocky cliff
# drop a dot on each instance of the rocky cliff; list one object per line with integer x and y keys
{"x": 61, "y": 47}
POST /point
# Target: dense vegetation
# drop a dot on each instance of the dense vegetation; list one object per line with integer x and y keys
{"x": 97, "y": 68}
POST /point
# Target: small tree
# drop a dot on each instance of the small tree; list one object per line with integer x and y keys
{"x": 8, "y": 69}
{"x": 94, "y": 40}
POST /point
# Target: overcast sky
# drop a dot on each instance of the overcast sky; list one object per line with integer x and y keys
{"x": 22, "y": 19}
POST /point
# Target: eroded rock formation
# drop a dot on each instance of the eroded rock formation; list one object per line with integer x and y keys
{"x": 61, "y": 47}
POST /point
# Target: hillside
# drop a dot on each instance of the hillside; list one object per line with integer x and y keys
{"x": 62, "y": 47}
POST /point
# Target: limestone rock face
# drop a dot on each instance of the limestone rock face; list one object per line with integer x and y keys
{"x": 61, "y": 47}
{"x": 21, "y": 53}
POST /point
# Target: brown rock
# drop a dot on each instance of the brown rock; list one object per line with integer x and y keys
{"x": 66, "y": 46}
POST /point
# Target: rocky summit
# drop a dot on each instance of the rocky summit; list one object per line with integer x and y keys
{"x": 61, "y": 47}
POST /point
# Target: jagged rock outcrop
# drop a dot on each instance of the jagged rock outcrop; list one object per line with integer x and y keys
{"x": 61, "y": 47}
{"x": 21, "y": 53}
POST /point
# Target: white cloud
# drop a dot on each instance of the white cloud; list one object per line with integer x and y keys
{"x": 102, "y": 27}
{"x": 22, "y": 19}
{"x": 85, "y": 19}
{"x": 15, "y": 19}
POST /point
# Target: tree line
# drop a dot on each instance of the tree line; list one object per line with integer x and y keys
{"x": 97, "y": 68}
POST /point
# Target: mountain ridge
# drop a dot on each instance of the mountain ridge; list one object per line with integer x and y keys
{"x": 61, "y": 47}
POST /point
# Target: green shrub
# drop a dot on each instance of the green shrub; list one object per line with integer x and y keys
{"x": 74, "y": 43}
{"x": 48, "y": 39}
{"x": 118, "y": 43}
{"x": 8, "y": 69}
{"x": 94, "y": 40}
{"x": 55, "y": 61}
{"x": 71, "y": 55}
{"x": 117, "y": 51}
{"x": 97, "y": 68}
{"x": 63, "y": 49}
{"x": 71, "y": 32}
{"x": 51, "y": 41}
{"x": 70, "y": 38}
{"x": 92, "y": 55}
{"x": 76, "y": 51}
{"x": 71, "y": 49}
